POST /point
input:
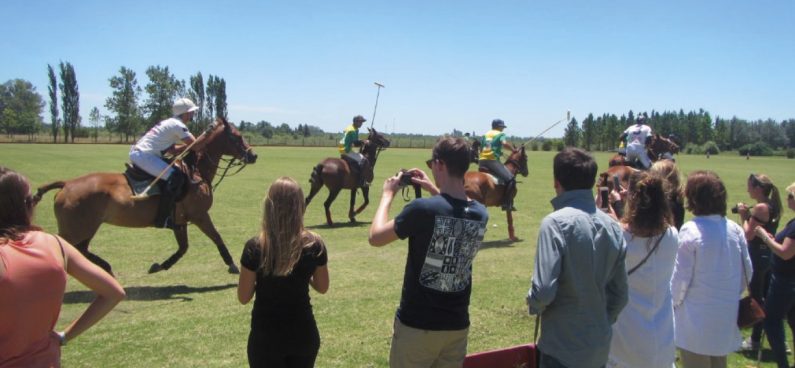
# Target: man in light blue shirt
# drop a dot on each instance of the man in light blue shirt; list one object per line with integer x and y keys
{"x": 580, "y": 282}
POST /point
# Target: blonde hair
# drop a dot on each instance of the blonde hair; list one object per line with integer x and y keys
{"x": 647, "y": 210}
{"x": 670, "y": 173}
{"x": 282, "y": 237}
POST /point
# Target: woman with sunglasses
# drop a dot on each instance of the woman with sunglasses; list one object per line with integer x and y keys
{"x": 33, "y": 269}
{"x": 765, "y": 213}
{"x": 781, "y": 294}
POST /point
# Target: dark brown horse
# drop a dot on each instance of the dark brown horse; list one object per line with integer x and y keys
{"x": 335, "y": 174}
{"x": 84, "y": 203}
{"x": 482, "y": 187}
{"x": 657, "y": 149}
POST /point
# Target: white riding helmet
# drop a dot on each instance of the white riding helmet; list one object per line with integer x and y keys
{"x": 182, "y": 106}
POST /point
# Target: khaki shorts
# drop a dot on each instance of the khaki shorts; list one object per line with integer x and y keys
{"x": 413, "y": 347}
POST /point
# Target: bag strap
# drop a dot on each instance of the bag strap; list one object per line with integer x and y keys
{"x": 63, "y": 253}
{"x": 647, "y": 255}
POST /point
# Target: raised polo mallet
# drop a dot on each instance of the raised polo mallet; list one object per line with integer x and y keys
{"x": 568, "y": 118}
{"x": 372, "y": 121}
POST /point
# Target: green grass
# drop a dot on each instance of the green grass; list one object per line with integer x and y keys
{"x": 189, "y": 316}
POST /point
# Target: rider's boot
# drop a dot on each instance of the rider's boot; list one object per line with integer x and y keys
{"x": 507, "y": 199}
{"x": 170, "y": 190}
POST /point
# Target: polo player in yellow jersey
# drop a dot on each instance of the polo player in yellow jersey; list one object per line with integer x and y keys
{"x": 492, "y": 144}
{"x": 350, "y": 138}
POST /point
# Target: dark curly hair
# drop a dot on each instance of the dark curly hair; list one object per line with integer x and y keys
{"x": 16, "y": 205}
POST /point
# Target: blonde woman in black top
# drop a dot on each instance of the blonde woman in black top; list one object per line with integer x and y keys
{"x": 279, "y": 265}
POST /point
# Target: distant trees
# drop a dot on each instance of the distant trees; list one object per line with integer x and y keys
{"x": 216, "y": 97}
{"x": 124, "y": 102}
{"x": 53, "y": 91}
{"x": 163, "y": 88}
{"x": 572, "y": 134}
{"x": 196, "y": 94}
{"x": 20, "y": 108}
{"x": 70, "y": 101}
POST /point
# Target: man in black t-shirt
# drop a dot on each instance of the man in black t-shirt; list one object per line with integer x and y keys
{"x": 444, "y": 232}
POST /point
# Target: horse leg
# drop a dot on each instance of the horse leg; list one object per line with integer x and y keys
{"x": 332, "y": 195}
{"x": 351, "y": 213}
{"x": 366, "y": 195}
{"x": 97, "y": 260}
{"x": 181, "y": 234}
{"x": 316, "y": 185}
{"x": 205, "y": 224}
{"x": 511, "y": 234}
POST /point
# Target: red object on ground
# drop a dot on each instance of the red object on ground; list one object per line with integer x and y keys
{"x": 521, "y": 356}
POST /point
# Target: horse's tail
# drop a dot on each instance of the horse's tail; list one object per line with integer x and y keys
{"x": 316, "y": 178}
{"x": 46, "y": 188}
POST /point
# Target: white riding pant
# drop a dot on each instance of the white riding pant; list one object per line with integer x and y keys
{"x": 638, "y": 151}
{"x": 150, "y": 162}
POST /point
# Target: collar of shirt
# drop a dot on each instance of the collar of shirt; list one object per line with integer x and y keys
{"x": 578, "y": 198}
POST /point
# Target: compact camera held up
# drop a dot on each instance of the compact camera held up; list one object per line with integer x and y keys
{"x": 736, "y": 208}
{"x": 405, "y": 179}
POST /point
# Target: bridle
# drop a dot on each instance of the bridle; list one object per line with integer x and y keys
{"x": 237, "y": 141}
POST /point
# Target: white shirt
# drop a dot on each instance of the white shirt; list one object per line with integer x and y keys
{"x": 162, "y": 136}
{"x": 637, "y": 134}
{"x": 643, "y": 335}
{"x": 707, "y": 284}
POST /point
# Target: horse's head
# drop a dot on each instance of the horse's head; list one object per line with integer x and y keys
{"x": 377, "y": 139}
{"x": 660, "y": 145}
{"x": 226, "y": 139}
{"x": 518, "y": 158}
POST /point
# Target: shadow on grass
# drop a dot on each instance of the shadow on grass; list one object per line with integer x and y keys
{"x": 148, "y": 293}
{"x": 340, "y": 225}
{"x": 767, "y": 355}
{"x": 504, "y": 243}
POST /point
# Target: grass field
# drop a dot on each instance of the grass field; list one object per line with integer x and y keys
{"x": 189, "y": 316}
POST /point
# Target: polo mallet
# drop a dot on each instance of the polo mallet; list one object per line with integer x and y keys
{"x": 178, "y": 158}
{"x": 372, "y": 121}
{"x": 568, "y": 118}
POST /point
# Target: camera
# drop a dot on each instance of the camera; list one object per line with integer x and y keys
{"x": 405, "y": 179}
{"x": 604, "y": 193}
{"x": 736, "y": 208}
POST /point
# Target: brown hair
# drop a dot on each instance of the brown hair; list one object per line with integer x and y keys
{"x": 670, "y": 174}
{"x": 574, "y": 169}
{"x": 647, "y": 210}
{"x": 455, "y": 154}
{"x": 771, "y": 193}
{"x": 16, "y": 205}
{"x": 706, "y": 194}
{"x": 283, "y": 237}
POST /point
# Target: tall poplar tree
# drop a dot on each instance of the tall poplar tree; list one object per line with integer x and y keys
{"x": 70, "y": 101}
{"x": 53, "y": 90}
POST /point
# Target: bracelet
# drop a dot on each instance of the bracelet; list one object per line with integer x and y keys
{"x": 62, "y": 337}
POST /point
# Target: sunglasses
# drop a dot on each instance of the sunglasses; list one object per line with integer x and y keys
{"x": 430, "y": 162}
{"x": 754, "y": 180}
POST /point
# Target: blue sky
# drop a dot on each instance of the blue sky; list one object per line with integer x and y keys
{"x": 446, "y": 64}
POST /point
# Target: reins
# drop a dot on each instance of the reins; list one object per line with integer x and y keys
{"x": 233, "y": 162}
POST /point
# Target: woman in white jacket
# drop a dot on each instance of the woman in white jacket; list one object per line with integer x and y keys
{"x": 643, "y": 335}
{"x": 712, "y": 270}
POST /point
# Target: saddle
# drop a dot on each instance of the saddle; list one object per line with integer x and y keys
{"x": 138, "y": 180}
{"x": 491, "y": 176}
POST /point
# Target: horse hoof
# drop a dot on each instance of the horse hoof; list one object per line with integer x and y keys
{"x": 353, "y": 220}
{"x": 514, "y": 239}
{"x": 233, "y": 269}
{"x": 156, "y": 267}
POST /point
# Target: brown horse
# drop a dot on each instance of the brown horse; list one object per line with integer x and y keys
{"x": 84, "y": 203}
{"x": 335, "y": 174}
{"x": 657, "y": 149}
{"x": 482, "y": 188}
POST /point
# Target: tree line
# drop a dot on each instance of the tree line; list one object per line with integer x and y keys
{"x": 133, "y": 108}
{"x": 695, "y": 131}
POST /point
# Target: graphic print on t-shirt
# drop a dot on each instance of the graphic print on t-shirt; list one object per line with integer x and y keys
{"x": 453, "y": 246}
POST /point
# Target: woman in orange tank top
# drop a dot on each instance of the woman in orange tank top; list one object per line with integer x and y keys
{"x": 33, "y": 269}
